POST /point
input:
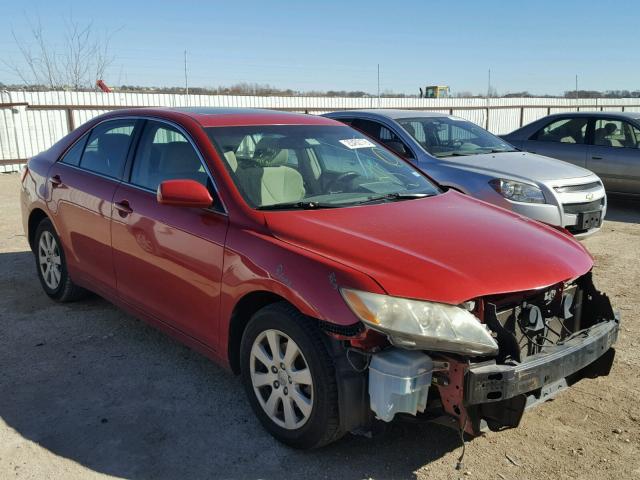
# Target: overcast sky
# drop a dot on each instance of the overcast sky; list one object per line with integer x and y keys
{"x": 537, "y": 46}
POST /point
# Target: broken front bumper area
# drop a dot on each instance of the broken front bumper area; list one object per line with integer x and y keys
{"x": 497, "y": 395}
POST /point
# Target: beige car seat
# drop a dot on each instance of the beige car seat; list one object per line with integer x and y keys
{"x": 272, "y": 181}
{"x": 231, "y": 159}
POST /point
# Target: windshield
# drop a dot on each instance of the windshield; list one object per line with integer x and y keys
{"x": 314, "y": 166}
{"x": 452, "y": 136}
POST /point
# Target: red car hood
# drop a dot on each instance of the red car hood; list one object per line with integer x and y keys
{"x": 449, "y": 248}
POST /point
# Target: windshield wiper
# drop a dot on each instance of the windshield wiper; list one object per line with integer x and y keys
{"x": 475, "y": 152}
{"x": 498, "y": 150}
{"x": 297, "y": 205}
{"x": 454, "y": 154}
{"x": 392, "y": 197}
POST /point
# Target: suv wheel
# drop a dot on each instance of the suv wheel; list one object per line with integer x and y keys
{"x": 51, "y": 266}
{"x": 290, "y": 378}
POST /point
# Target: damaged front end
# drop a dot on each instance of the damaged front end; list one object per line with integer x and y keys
{"x": 547, "y": 341}
{"x": 542, "y": 342}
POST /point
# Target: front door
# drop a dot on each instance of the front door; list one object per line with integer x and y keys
{"x": 563, "y": 139}
{"x": 168, "y": 260}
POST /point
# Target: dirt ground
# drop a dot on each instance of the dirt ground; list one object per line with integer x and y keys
{"x": 87, "y": 391}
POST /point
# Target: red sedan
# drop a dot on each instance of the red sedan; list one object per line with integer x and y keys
{"x": 342, "y": 283}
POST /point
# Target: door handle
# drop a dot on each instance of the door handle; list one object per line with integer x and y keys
{"x": 56, "y": 181}
{"x": 123, "y": 208}
{"x": 595, "y": 157}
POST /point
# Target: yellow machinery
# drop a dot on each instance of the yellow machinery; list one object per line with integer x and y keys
{"x": 436, "y": 91}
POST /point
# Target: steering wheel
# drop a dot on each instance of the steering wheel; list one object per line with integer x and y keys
{"x": 342, "y": 177}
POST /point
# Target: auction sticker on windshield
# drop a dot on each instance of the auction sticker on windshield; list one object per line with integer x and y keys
{"x": 357, "y": 143}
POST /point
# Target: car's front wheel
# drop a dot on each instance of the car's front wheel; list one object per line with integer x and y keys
{"x": 51, "y": 265}
{"x": 290, "y": 378}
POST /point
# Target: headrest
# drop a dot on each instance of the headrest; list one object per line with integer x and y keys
{"x": 610, "y": 128}
{"x": 269, "y": 154}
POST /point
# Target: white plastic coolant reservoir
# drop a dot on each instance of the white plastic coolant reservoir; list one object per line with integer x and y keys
{"x": 399, "y": 381}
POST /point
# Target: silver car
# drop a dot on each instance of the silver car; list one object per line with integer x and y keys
{"x": 607, "y": 143}
{"x": 461, "y": 155}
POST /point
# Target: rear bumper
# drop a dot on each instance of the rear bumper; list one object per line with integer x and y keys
{"x": 488, "y": 382}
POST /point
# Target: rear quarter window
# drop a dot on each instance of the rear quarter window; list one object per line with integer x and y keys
{"x": 74, "y": 154}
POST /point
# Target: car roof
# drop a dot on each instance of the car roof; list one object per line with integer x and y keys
{"x": 226, "y": 117}
{"x": 399, "y": 113}
{"x": 392, "y": 113}
{"x": 598, "y": 114}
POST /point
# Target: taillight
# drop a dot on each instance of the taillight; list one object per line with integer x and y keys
{"x": 23, "y": 172}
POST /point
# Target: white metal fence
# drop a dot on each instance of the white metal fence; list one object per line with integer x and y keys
{"x": 32, "y": 121}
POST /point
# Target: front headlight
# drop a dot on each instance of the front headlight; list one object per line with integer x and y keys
{"x": 415, "y": 324}
{"x": 517, "y": 191}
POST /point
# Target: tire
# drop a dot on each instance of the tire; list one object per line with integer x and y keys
{"x": 313, "y": 420}
{"x": 51, "y": 265}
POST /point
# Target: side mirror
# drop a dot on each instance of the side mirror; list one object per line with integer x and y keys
{"x": 184, "y": 193}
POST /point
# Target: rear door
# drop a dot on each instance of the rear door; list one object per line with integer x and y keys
{"x": 615, "y": 155}
{"x": 168, "y": 260}
{"x": 83, "y": 182}
{"x": 562, "y": 138}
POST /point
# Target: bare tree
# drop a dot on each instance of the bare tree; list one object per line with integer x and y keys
{"x": 83, "y": 59}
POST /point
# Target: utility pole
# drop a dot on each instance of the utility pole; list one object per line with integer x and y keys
{"x": 186, "y": 79}
{"x": 486, "y": 120}
{"x": 378, "y": 85}
{"x": 576, "y": 88}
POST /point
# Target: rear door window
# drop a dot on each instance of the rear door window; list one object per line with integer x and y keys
{"x": 107, "y": 148}
{"x": 615, "y": 133}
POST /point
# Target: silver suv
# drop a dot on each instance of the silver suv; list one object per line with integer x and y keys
{"x": 461, "y": 155}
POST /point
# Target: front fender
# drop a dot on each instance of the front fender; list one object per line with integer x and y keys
{"x": 258, "y": 262}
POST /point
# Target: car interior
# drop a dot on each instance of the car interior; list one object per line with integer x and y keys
{"x": 564, "y": 131}
{"x": 615, "y": 133}
{"x": 268, "y": 177}
{"x": 445, "y": 136}
{"x": 607, "y": 133}
{"x": 164, "y": 161}
{"x": 106, "y": 152}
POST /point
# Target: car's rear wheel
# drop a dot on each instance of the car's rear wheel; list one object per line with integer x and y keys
{"x": 51, "y": 265}
{"x": 290, "y": 378}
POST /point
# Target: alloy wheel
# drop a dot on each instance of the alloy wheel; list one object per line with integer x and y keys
{"x": 281, "y": 379}
{"x": 49, "y": 260}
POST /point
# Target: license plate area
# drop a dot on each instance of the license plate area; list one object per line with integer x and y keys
{"x": 589, "y": 220}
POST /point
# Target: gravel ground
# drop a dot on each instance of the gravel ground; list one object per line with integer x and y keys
{"x": 87, "y": 391}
